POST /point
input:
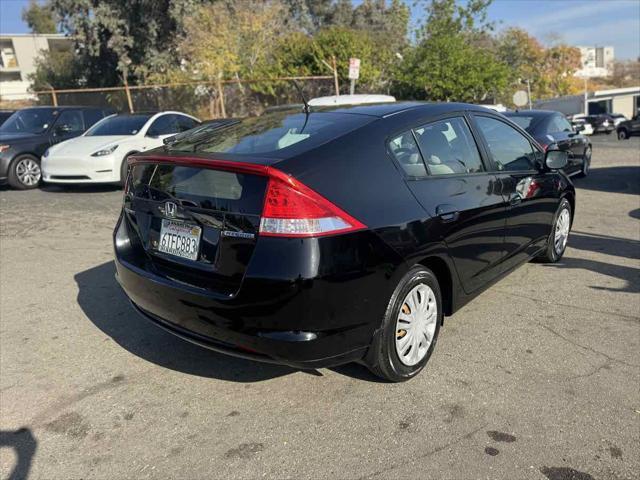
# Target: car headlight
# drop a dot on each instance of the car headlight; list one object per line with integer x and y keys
{"x": 106, "y": 151}
{"x": 4, "y": 148}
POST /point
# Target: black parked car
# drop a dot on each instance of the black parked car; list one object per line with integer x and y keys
{"x": 26, "y": 134}
{"x": 339, "y": 235}
{"x": 629, "y": 127}
{"x": 553, "y": 131}
{"x": 602, "y": 123}
{"x": 5, "y": 114}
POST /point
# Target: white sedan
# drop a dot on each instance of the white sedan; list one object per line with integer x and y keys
{"x": 100, "y": 154}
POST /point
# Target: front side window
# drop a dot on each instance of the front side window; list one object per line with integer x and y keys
{"x": 509, "y": 149}
{"x": 449, "y": 148}
{"x": 405, "y": 150}
{"x": 70, "y": 121}
{"x": 29, "y": 120}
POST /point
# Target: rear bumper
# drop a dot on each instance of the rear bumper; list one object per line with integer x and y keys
{"x": 277, "y": 316}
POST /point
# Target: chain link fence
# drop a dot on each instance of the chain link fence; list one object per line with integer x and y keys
{"x": 229, "y": 98}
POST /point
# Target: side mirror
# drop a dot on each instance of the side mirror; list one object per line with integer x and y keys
{"x": 578, "y": 128}
{"x": 556, "y": 159}
{"x": 169, "y": 140}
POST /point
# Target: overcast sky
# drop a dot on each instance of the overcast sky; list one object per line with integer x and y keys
{"x": 578, "y": 22}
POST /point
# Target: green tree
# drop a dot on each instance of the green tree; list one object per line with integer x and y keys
{"x": 57, "y": 68}
{"x": 447, "y": 64}
{"x": 39, "y": 18}
{"x": 116, "y": 38}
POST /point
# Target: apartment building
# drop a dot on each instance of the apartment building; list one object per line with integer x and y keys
{"x": 17, "y": 60}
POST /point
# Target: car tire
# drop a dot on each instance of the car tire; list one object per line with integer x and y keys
{"x": 586, "y": 162}
{"x": 24, "y": 172}
{"x": 388, "y": 357}
{"x": 559, "y": 235}
{"x": 622, "y": 134}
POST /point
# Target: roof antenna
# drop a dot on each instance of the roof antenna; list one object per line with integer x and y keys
{"x": 306, "y": 109}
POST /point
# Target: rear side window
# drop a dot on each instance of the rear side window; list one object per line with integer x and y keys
{"x": 91, "y": 117}
{"x": 522, "y": 121}
{"x": 272, "y": 132}
{"x": 509, "y": 149}
{"x": 559, "y": 124}
{"x": 70, "y": 121}
{"x": 164, "y": 125}
{"x": 405, "y": 150}
{"x": 449, "y": 148}
{"x": 186, "y": 123}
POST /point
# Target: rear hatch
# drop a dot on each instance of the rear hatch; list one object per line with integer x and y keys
{"x": 197, "y": 226}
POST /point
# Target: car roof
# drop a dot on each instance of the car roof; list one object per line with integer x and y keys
{"x": 531, "y": 113}
{"x": 350, "y": 100}
{"x": 384, "y": 110}
{"x": 65, "y": 107}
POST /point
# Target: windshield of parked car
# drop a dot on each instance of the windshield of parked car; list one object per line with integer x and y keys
{"x": 118, "y": 125}
{"x": 270, "y": 133}
{"x": 30, "y": 120}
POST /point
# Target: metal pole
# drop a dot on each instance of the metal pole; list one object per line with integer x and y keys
{"x": 335, "y": 75}
{"x": 352, "y": 88}
{"x": 54, "y": 97}
{"x": 529, "y": 92}
{"x": 586, "y": 96}
{"x": 128, "y": 92}
{"x": 223, "y": 112}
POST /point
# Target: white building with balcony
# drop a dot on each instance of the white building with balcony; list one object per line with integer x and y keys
{"x": 18, "y": 54}
{"x": 596, "y": 62}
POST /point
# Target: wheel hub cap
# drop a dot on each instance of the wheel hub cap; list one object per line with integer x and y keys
{"x": 416, "y": 324}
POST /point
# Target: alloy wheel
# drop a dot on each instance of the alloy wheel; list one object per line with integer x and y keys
{"x": 416, "y": 324}
{"x": 562, "y": 231}
{"x": 587, "y": 161}
{"x": 28, "y": 172}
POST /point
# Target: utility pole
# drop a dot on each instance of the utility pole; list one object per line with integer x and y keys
{"x": 529, "y": 92}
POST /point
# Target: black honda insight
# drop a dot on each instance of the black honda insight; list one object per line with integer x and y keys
{"x": 319, "y": 238}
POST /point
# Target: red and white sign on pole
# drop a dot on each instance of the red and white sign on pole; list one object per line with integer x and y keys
{"x": 354, "y": 68}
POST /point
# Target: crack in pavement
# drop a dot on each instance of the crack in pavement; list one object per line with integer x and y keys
{"x": 428, "y": 454}
{"x": 627, "y": 318}
{"x": 590, "y": 349}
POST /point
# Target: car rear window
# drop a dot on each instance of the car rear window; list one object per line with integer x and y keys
{"x": 523, "y": 122}
{"x": 199, "y": 187}
{"x": 272, "y": 133}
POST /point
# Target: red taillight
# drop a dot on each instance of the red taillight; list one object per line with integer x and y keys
{"x": 544, "y": 146}
{"x": 291, "y": 209}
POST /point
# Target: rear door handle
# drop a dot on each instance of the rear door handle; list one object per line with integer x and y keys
{"x": 447, "y": 213}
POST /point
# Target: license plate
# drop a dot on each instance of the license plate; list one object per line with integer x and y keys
{"x": 179, "y": 239}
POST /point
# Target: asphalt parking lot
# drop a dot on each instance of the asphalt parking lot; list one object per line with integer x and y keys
{"x": 538, "y": 378}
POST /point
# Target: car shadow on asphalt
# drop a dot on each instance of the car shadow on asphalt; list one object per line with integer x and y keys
{"x": 107, "y": 307}
{"x": 24, "y": 445}
{"x": 623, "y": 179}
{"x": 608, "y": 245}
{"x": 71, "y": 188}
